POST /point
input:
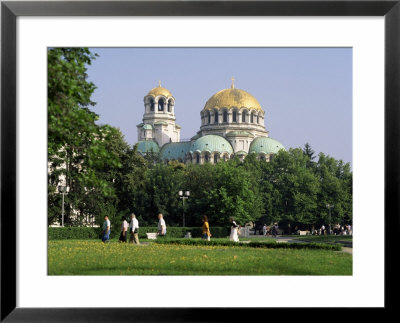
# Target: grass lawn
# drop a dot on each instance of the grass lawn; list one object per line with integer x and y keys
{"x": 91, "y": 257}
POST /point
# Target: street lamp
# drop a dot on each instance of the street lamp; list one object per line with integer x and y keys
{"x": 183, "y": 197}
{"x": 330, "y": 206}
{"x": 63, "y": 190}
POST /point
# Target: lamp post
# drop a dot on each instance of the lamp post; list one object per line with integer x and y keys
{"x": 63, "y": 189}
{"x": 183, "y": 197}
{"x": 330, "y": 206}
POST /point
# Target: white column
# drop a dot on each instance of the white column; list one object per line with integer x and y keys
{"x": 220, "y": 117}
{"x": 165, "y": 106}
{"x": 230, "y": 117}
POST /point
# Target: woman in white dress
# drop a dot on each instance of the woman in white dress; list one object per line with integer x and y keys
{"x": 234, "y": 231}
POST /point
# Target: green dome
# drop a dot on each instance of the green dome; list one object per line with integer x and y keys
{"x": 211, "y": 143}
{"x": 265, "y": 145}
{"x": 147, "y": 146}
{"x": 175, "y": 150}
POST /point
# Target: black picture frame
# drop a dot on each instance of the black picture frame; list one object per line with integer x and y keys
{"x": 10, "y": 10}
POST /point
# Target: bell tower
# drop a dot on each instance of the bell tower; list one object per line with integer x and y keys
{"x": 159, "y": 117}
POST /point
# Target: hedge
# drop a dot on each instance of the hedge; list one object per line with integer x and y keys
{"x": 253, "y": 244}
{"x": 83, "y": 233}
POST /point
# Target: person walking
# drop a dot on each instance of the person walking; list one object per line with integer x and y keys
{"x": 206, "y": 234}
{"x": 124, "y": 230}
{"x": 234, "y": 236}
{"x": 275, "y": 230}
{"x": 264, "y": 229}
{"x": 134, "y": 230}
{"x": 349, "y": 229}
{"x": 162, "y": 227}
{"x": 106, "y": 230}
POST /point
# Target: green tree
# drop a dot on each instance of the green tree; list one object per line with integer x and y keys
{"x": 224, "y": 190}
{"x": 336, "y": 189}
{"x": 309, "y": 152}
{"x": 296, "y": 189}
{"x": 77, "y": 146}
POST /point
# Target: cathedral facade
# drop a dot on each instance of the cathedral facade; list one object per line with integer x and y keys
{"x": 232, "y": 124}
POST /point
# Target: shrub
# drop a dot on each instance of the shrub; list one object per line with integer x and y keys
{"x": 61, "y": 233}
{"x": 83, "y": 233}
{"x": 269, "y": 244}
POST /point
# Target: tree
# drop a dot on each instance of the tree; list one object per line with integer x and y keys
{"x": 307, "y": 150}
{"x": 77, "y": 146}
{"x": 160, "y": 195}
{"x": 336, "y": 189}
{"x": 224, "y": 190}
{"x": 294, "y": 197}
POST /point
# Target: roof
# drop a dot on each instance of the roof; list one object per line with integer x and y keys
{"x": 265, "y": 145}
{"x": 159, "y": 90}
{"x": 160, "y": 123}
{"x": 175, "y": 150}
{"x": 147, "y": 126}
{"x": 211, "y": 143}
{"x": 146, "y": 146}
{"x": 230, "y": 98}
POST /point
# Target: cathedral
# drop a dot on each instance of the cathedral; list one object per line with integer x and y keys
{"x": 232, "y": 124}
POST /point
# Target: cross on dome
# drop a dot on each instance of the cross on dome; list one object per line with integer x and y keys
{"x": 233, "y": 83}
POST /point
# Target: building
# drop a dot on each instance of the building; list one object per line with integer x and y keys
{"x": 232, "y": 124}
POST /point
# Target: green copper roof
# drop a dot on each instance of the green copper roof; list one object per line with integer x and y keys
{"x": 241, "y": 152}
{"x": 211, "y": 143}
{"x": 160, "y": 122}
{"x": 146, "y": 146}
{"x": 147, "y": 126}
{"x": 265, "y": 145}
{"x": 175, "y": 150}
{"x": 196, "y": 136}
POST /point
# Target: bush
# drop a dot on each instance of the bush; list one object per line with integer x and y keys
{"x": 61, "y": 233}
{"x": 269, "y": 244}
{"x": 83, "y": 233}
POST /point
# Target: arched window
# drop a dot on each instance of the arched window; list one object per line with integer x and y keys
{"x": 225, "y": 119}
{"x": 169, "y": 105}
{"x": 262, "y": 157}
{"x": 209, "y": 117}
{"x": 215, "y": 158}
{"x": 197, "y": 159}
{"x": 258, "y": 119}
{"x": 160, "y": 105}
{"x": 206, "y": 158}
{"x": 151, "y": 105}
{"x": 234, "y": 116}
{"x": 251, "y": 118}
{"x": 216, "y": 117}
{"x": 244, "y": 116}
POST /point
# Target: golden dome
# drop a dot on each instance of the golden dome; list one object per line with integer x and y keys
{"x": 159, "y": 90}
{"x": 230, "y": 98}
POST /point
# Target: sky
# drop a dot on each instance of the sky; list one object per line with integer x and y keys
{"x": 306, "y": 93}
